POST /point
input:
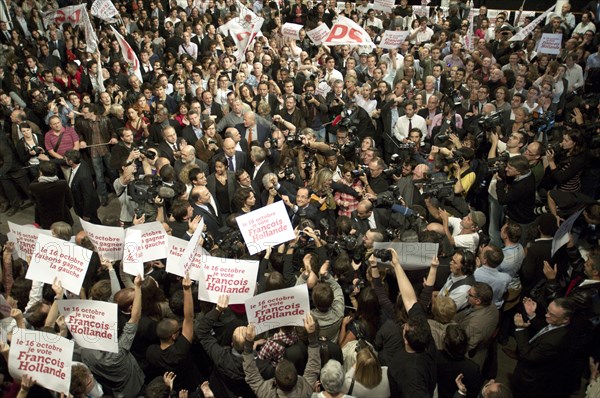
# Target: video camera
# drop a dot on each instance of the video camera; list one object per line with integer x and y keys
{"x": 491, "y": 121}
{"x": 145, "y": 190}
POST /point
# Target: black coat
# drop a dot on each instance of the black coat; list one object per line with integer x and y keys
{"x": 212, "y": 222}
{"x": 53, "y": 201}
{"x": 85, "y": 198}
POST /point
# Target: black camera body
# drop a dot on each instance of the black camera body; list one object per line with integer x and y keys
{"x": 383, "y": 254}
{"x": 148, "y": 154}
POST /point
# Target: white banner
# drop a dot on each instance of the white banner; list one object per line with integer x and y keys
{"x": 523, "y": 33}
{"x": 383, "y": 5}
{"x": 550, "y": 43}
{"x": 282, "y": 307}
{"x": 25, "y": 238}
{"x": 154, "y": 240}
{"x": 91, "y": 40}
{"x": 267, "y": 226}
{"x": 318, "y": 34}
{"x": 132, "y": 253}
{"x": 56, "y": 258}
{"x": 237, "y": 278}
{"x": 108, "y": 241}
{"x": 291, "y": 30}
{"x": 347, "y": 32}
{"x": 393, "y": 38}
{"x": 45, "y": 357}
{"x": 243, "y": 35}
{"x": 104, "y": 9}
{"x": 128, "y": 55}
{"x": 412, "y": 256}
{"x": 70, "y": 14}
{"x": 192, "y": 250}
{"x": 92, "y": 323}
{"x": 174, "y": 255}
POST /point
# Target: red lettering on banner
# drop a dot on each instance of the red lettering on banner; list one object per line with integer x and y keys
{"x": 341, "y": 31}
{"x": 60, "y": 17}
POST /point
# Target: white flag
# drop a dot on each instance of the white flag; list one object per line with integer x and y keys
{"x": 128, "y": 55}
{"x": 347, "y": 32}
{"x": 523, "y": 33}
{"x": 104, "y": 9}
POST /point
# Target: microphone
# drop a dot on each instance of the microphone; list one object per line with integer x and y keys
{"x": 405, "y": 211}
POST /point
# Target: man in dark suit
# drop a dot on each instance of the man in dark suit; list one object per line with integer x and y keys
{"x": 81, "y": 182}
{"x": 162, "y": 121}
{"x": 264, "y": 97}
{"x": 193, "y": 131}
{"x": 52, "y": 197}
{"x": 57, "y": 46}
{"x": 236, "y": 160}
{"x": 259, "y": 166}
{"x": 5, "y": 35}
{"x": 252, "y": 131}
{"x": 365, "y": 217}
{"x": 241, "y": 145}
{"x": 303, "y": 209}
{"x": 210, "y": 109}
{"x": 169, "y": 148}
{"x": 543, "y": 350}
{"x": 202, "y": 202}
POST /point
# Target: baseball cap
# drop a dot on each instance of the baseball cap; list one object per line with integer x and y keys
{"x": 478, "y": 218}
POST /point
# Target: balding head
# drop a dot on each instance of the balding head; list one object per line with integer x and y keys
{"x": 229, "y": 147}
{"x": 249, "y": 119}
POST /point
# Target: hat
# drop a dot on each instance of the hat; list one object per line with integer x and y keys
{"x": 478, "y": 218}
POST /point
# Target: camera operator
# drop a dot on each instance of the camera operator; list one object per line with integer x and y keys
{"x": 516, "y": 192}
{"x": 290, "y": 116}
{"x": 461, "y": 233}
{"x": 345, "y": 143}
{"x": 125, "y": 149}
{"x": 336, "y": 100}
{"x": 375, "y": 181}
{"x": 461, "y": 170}
{"x": 127, "y": 172}
{"x": 277, "y": 148}
{"x": 418, "y": 150}
{"x": 315, "y": 110}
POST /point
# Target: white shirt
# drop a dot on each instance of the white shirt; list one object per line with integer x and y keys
{"x": 189, "y": 49}
{"x": 401, "y": 127}
{"x": 465, "y": 241}
{"x": 459, "y": 295}
{"x": 335, "y": 74}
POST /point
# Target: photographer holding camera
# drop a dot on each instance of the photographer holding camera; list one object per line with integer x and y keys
{"x": 315, "y": 109}
{"x": 374, "y": 180}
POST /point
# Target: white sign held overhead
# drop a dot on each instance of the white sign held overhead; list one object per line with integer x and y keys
{"x": 283, "y": 307}
{"x": 237, "y": 278}
{"x": 393, "y": 38}
{"x": 92, "y": 323}
{"x": 267, "y": 226}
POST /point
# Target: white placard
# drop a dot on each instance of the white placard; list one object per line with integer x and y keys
{"x": 267, "y": 226}
{"x": 347, "y": 32}
{"x": 176, "y": 249}
{"x": 154, "y": 240}
{"x": 133, "y": 253}
{"x": 412, "y": 256}
{"x": 383, "y": 5}
{"x": 192, "y": 250}
{"x": 45, "y": 357}
{"x": 550, "y": 43}
{"x": 25, "y": 238}
{"x": 283, "y": 307}
{"x": 561, "y": 237}
{"x": 104, "y": 9}
{"x": 237, "y": 278}
{"x": 56, "y": 258}
{"x": 291, "y": 30}
{"x": 318, "y": 34}
{"x": 108, "y": 241}
{"x": 93, "y": 324}
{"x": 393, "y": 38}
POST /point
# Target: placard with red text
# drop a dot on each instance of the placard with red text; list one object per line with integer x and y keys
{"x": 284, "y": 307}
{"x": 108, "y": 241}
{"x": 154, "y": 240}
{"x": 237, "y": 278}
{"x": 92, "y": 323}
{"x": 267, "y": 226}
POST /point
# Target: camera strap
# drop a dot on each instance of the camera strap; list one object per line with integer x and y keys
{"x": 60, "y": 137}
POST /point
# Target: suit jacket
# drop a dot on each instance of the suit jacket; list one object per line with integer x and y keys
{"x": 264, "y": 169}
{"x": 212, "y": 222}
{"x": 309, "y": 212}
{"x": 211, "y": 184}
{"x": 542, "y": 362}
{"x": 382, "y": 217}
{"x": 4, "y": 39}
{"x": 167, "y": 151}
{"x": 241, "y": 162}
{"x": 62, "y": 49}
{"x": 188, "y": 134}
{"x": 261, "y": 134}
{"x": 86, "y": 201}
{"x": 180, "y": 165}
{"x": 271, "y": 99}
{"x": 215, "y": 109}
{"x": 53, "y": 201}
{"x": 155, "y": 136}
{"x": 479, "y": 324}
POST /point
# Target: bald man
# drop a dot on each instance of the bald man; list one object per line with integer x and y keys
{"x": 236, "y": 160}
{"x": 252, "y": 131}
{"x": 204, "y": 206}
{"x": 188, "y": 155}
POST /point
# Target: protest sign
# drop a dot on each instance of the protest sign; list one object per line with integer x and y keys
{"x": 70, "y": 14}
{"x": 267, "y": 226}
{"x": 318, "y": 34}
{"x": 550, "y": 43}
{"x": 154, "y": 240}
{"x": 347, "y": 32}
{"x": 291, "y": 30}
{"x": 45, "y": 357}
{"x": 412, "y": 256}
{"x": 128, "y": 55}
{"x": 283, "y": 307}
{"x": 561, "y": 237}
{"x": 108, "y": 241}
{"x": 383, "y": 5}
{"x": 25, "y": 238}
{"x": 237, "y": 278}
{"x": 92, "y": 323}
{"x": 174, "y": 254}
{"x": 56, "y": 258}
{"x": 192, "y": 250}
{"x": 523, "y": 33}
{"x": 393, "y": 38}
{"x": 132, "y": 253}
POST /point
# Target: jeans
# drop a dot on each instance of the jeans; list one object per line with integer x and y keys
{"x": 496, "y": 217}
{"x": 99, "y": 162}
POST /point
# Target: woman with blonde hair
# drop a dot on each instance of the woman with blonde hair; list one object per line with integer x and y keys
{"x": 367, "y": 378}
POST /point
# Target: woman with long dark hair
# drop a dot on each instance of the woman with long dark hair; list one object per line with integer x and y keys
{"x": 566, "y": 173}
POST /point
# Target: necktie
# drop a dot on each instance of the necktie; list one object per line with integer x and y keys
{"x": 437, "y": 84}
{"x": 174, "y": 147}
{"x": 409, "y": 125}
{"x": 230, "y": 161}
{"x": 71, "y": 177}
{"x": 211, "y": 209}
{"x": 249, "y": 135}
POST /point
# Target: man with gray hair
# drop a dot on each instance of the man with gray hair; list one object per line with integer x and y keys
{"x": 259, "y": 166}
{"x": 188, "y": 155}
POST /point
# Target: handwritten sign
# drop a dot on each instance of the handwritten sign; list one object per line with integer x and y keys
{"x": 237, "y": 278}
{"x": 383, "y": 5}
{"x": 93, "y": 324}
{"x": 133, "y": 253}
{"x": 283, "y": 307}
{"x": 45, "y": 357}
{"x": 266, "y": 226}
{"x": 56, "y": 258}
{"x": 108, "y": 241}
{"x": 393, "y": 38}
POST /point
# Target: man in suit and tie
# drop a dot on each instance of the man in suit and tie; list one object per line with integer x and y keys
{"x": 260, "y": 166}
{"x": 57, "y": 46}
{"x": 5, "y": 35}
{"x": 81, "y": 182}
{"x": 542, "y": 349}
{"x": 251, "y": 131}
{"x": 210, "y": 108}
{"x": 241, "y": 145}
{"x": 303, "y": 209}
{"x": 236, "y": 160}
{"x": 366, "y": 218}
{"x": 264, "y": 97}
{"x": 204, "y": 206}
{"x": 169, "y": 148}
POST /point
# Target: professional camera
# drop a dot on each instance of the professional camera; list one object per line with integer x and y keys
{"x": 38, "y": 150}
{"x": 440, "y": 186}
{"x": 273, "y": 142}
{"x": 383, "y": 254}
{"x": 145, "y": 190}
{"x": 491, "y": 121}
{"x": 294, "y": 140}
{"x": 497, "y": 165}
{"x": 542, "y": 123}
{"x": 308, "y": 97}
{"x": 361, "y": 172}
{"x": 349, "y": 149}
{"x": 232, "y": 243}
{"x": 148, "y": 154}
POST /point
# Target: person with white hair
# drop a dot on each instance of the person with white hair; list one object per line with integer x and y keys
{"x": 332, "y": 381}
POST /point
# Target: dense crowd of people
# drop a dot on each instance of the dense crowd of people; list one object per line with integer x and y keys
{"x": 461, "y": 137}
